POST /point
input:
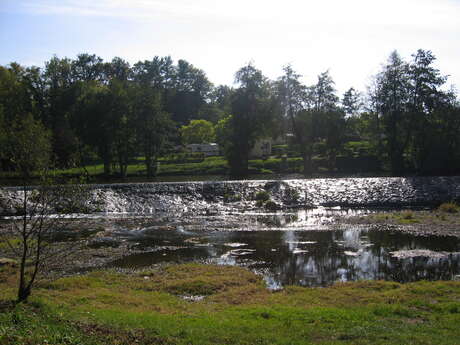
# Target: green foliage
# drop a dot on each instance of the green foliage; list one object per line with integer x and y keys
{"x": 28, "y": 146}
{"x": 253, "y": 109}
{"x": 198, "y": 132}
{"x": 262, "y": 195}
{"x": 111, "y": 112}
{"x": 232, "y": 197}
{"x": 271, "y": 205}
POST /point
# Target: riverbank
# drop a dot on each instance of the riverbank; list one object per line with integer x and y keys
{"x": 441, "y": 221}
{"x": 195, "y": 304}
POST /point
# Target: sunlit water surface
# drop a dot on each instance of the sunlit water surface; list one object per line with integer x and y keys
{"x": 298, "y": 249}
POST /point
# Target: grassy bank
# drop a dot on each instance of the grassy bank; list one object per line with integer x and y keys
{"x": 206, "y": 168}
{"x": 446, "y": 214}
{"x": 148, "y": 308}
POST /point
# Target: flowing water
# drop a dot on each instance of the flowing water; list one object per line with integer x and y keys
{"x": 301, "y": 243}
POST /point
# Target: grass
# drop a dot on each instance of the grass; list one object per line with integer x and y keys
{"x": 173, "y": 167}
{"x": 449, "y": 207}
{"x": 446, "y": 214}
{"x": 147, "y": 308}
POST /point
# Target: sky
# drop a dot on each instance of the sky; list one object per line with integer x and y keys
{"x": 351, "y": 39}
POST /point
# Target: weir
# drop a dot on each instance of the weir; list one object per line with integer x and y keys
{"x": 215, "y": 196}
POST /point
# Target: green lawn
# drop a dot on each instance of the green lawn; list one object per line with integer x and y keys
{"x": 208, "y": 166}
{"x": 146, "y": 308}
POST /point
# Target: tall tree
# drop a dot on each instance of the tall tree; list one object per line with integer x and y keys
{"x": 87, "y": 67}
{"x": 322, "y": 95}
{"x": 153, "y": 125}
{"x": 425, "y": 97}
{"x": 351, "y": 101}
{"x": 191, "y": 92}
{"x": 391, "y": 100}
{"x": 293, "y": 101}
{"x": 252, "y": 109}
{"x": 61, "y": 94}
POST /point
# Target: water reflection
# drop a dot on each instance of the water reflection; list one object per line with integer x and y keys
{"x": 309, "y": 258}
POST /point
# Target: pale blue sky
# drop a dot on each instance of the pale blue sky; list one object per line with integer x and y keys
{"x": 351, "y": 38}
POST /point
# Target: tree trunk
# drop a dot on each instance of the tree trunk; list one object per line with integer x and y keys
{"x": 23, "y": 292}
{"x": 107, "y": 167}
{"x": 307, "y": 163}
{"x": 150, "y": 164}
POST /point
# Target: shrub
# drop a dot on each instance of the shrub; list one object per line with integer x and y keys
{"x": 229, "y": 197}
{"x": 271, "y": 205}
{"x": 260, "y": 203}
{"x": 449, "y": 207}
{"x": 262, "y": 196}
{"x": 407, "y": 215}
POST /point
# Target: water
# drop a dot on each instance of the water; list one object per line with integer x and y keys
{"x": 287, "y": 250}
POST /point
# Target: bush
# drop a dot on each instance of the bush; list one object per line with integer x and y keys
{"x": 449, "y": 207}
{"x": 407, "y": 215}
{"x": 262, "y": 196}
{"x": 260, "y": 203}
{"x": 229, "y": 197}
{"x": 271, "y": 205}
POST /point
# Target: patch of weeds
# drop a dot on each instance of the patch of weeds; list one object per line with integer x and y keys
{"x": 292, "y": 195}
{"x": 199, "y": 280}
{"x": 380, "y": 217}
{"x": 232, "y": 197}
{"x": 262, "y": 196}
{"x": 407, "y": 217}
{"x": 6, "y": 242}
{"x": 260, "y": 203}
{"x": 449, "y": 207}
{"x": 271, "y": 205}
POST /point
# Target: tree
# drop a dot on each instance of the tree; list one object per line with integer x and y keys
{"x": 407, "y": 96}
{"x": 43, "y": 215}
{"x": 425, "y": 98}
{"x": 87, "y": 67}
{"x": 333, "y": 128}
{"x": 117, "y": 69}
{"x": 306, "y": 122}
{"x": 61, "y": 86}
{"x": 119, "y": 111}
{"x": 93, "y": 121}
{"x": 3, "y": 138}
{"x": 351, "y": 101}
{"x": 190, "y": 92}
{"x": 198, "y": 132}
{"x": 302, "y": 122}
{"x": 321, "y": 96}
{"x": 29, "y": 147}
{"x": 153, "y": 124}
{"x": 252, "y": 107}
{"x": 391, "y": 98}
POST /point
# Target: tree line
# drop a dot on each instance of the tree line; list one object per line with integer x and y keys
{"x": 85, "y": 110}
